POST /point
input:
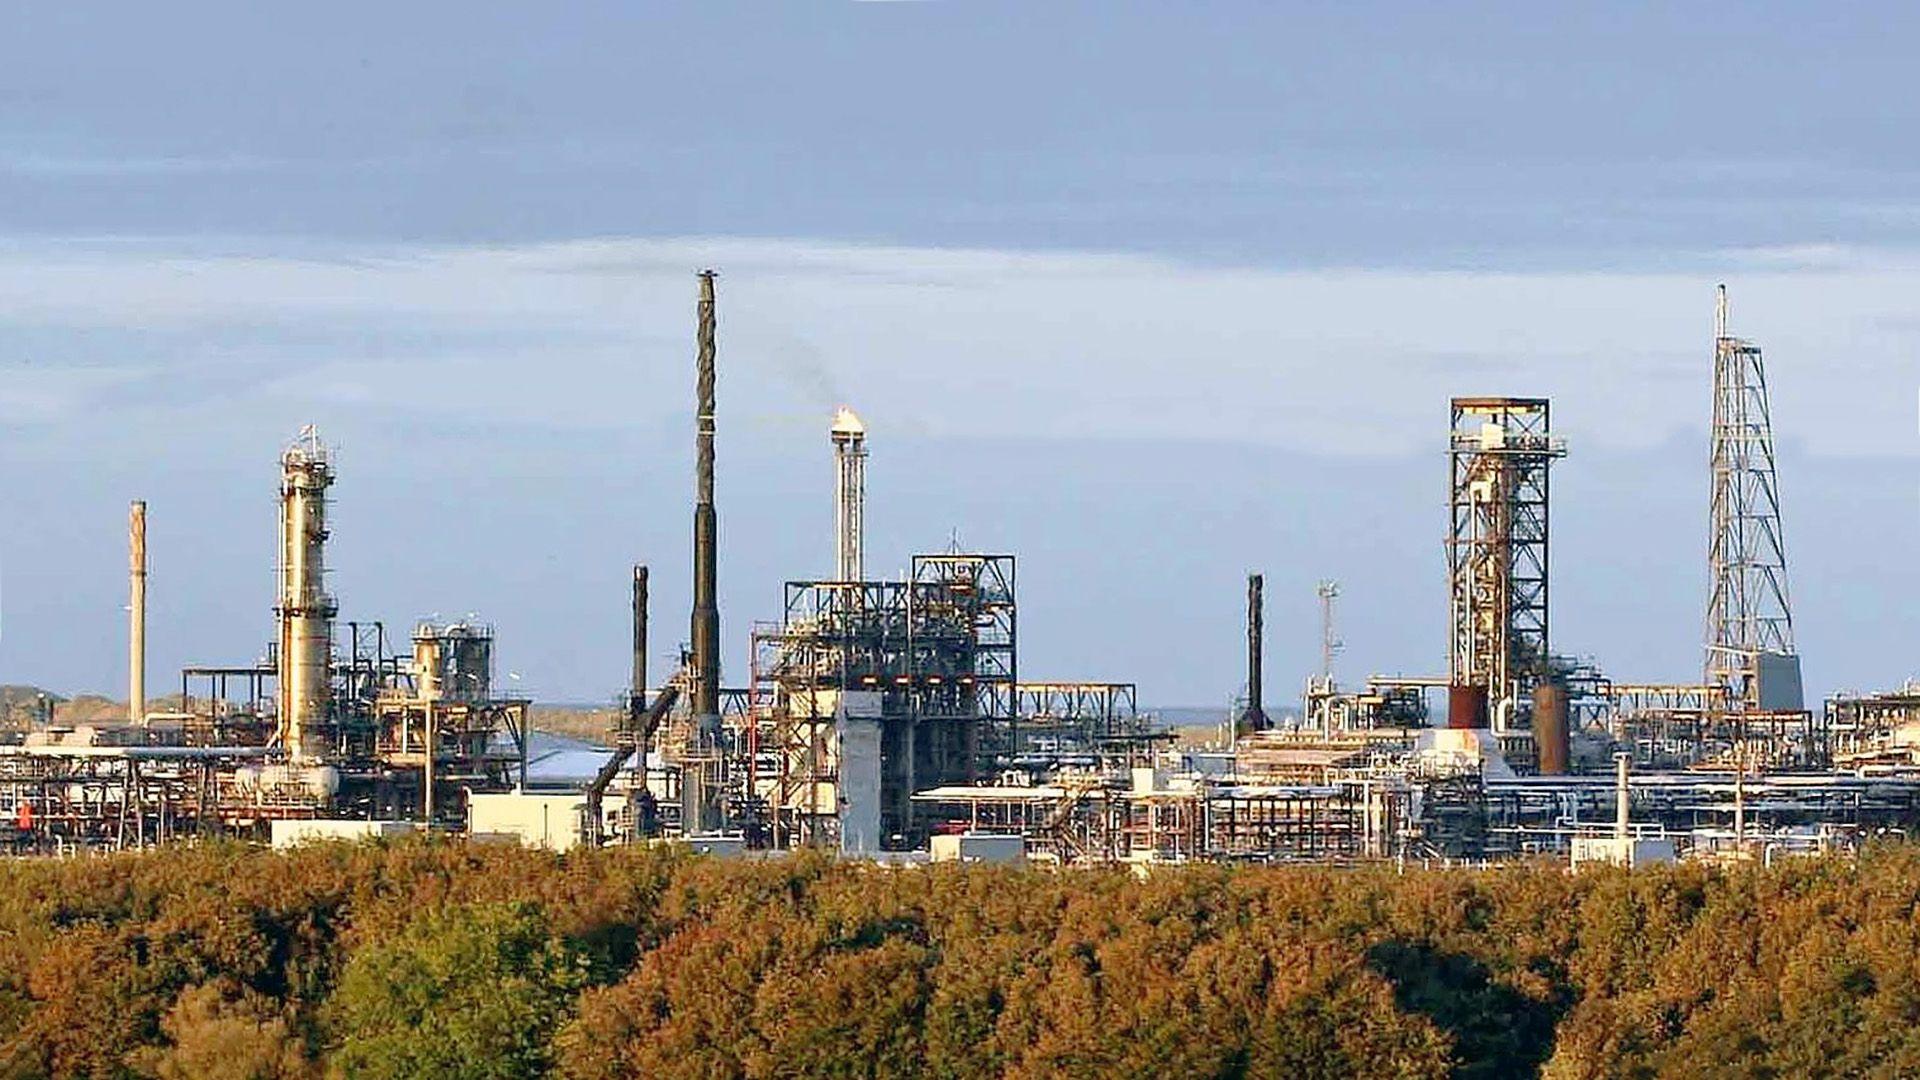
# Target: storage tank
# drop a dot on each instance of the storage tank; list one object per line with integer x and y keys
{"x": 1551, "y": 734}
{"x": 1466, "y": 706}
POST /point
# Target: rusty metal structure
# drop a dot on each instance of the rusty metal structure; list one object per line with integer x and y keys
{"x": 1500, "y": 450}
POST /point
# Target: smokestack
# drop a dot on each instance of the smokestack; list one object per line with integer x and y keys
{"x": 637, "y": 693}
{"x": 706, "y": 609}
{"x": 1620, "y": 798}
{"x": 137, "y": 614}
{"x": 849, "y": 437}
{"x": 1255, "y": 718}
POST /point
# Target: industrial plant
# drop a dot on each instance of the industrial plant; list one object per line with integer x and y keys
{"x": 891, "y": 719}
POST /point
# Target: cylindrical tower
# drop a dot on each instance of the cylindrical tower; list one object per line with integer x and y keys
{"x": 1255, "y": 717}
{"x": 849, "y": 437}
{"x": 304, "y": 610}
{"x": 705, "y": 702}
{"x": 1551, "y": 734}
{"x": 137, "y": 613}
{"x": 637, "y": 678}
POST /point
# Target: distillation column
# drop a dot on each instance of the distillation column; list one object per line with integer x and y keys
{"x": 137, "y": 614}
{"x": 304, "y": 611}
{"x": 849, "y": 495}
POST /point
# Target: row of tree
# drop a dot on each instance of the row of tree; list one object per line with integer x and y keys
{"x": 445, "y": 959}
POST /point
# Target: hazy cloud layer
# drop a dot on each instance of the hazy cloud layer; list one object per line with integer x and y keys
{"x": 950, "y": 342}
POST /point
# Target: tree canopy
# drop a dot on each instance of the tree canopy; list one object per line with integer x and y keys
{"x": 446, "y": 959}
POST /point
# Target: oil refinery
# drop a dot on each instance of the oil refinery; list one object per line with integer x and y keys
{"x": 883, "y": 717}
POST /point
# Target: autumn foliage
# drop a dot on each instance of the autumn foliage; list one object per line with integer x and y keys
{"x": 444, "y": 959}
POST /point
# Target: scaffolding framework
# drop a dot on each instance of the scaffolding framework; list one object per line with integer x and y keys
{"x": 1079, "y": 718}
{"x": 937, "y": 652}
{"x": 1497, "y": 566}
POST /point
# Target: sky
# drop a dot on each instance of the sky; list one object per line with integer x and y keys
{"x": 1151, "y": 296}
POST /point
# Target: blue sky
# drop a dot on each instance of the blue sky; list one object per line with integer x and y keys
{"x": 1149, "y": 295}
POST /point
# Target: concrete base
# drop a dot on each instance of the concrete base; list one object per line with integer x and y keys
{"x": 554, "y": 822}
{"x": 1620, "y": 851}
{"x": 293, "y": 832}
{"x": 978, "y": 848}
{"x": 859, "y": 794}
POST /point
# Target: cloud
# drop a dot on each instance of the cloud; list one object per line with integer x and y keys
{"x": 54, "y": 166}
{"x": 958, "y": 342}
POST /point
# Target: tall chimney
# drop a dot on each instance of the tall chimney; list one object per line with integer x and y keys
{"x": 849, "y": 437}
{"x": 137, "y": 614}
{"x": 706, "y": 610}
{"x": 1620, "y": 796}
{"x": 1255, "y": 717}
{"x": 637, "y": 692}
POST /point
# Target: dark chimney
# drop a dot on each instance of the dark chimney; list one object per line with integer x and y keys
{"x": 706, "y": 609}
{"x": 1255, "y": 718}
{"x": 637, "y": 682}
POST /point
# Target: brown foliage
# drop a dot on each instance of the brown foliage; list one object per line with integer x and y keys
{"x": 222, "y": 960}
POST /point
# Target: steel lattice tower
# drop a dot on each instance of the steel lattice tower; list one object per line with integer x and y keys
{"x": 1497, "y": 549}
{"x": 1749, "y": 621}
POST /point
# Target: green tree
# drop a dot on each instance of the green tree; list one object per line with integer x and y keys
{"x": 219, "y": 1032}
{"x": 470, "y": 991}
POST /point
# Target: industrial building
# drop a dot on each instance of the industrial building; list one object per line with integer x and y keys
{"x": 882, "y": 715}
{"x": 330, "y": 723}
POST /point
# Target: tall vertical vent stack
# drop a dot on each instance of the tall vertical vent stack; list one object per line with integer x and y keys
{"x": 637, "y": 681}
{"x": 1255, "y": 718}
{"x": 137, "y": 613}
{"x": 706, "y": 609}
{"x": 849, "y": 437}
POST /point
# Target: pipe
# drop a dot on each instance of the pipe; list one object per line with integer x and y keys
{"x": 1739, "y": 799}
{"x": 645, "y": 724}
{"x": 1255, "y": 718}
{"x": 137, "y": 614}
{"x": 426, "y": 771}
{"x": 1620, "y": 796}
{"x": 705, "y": 702}
{"x": 637, "y": 681}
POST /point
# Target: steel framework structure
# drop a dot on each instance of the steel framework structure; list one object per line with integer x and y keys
{"x": 1749, "y": 620}
{"x": 1500, "y": 449}
{"x": 1082, "y": 717}
{"x": 939, "y": 648}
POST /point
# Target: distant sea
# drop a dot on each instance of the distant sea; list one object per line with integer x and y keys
{"x": 1210, "y": 717}
{"x": 558, "y": 761}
